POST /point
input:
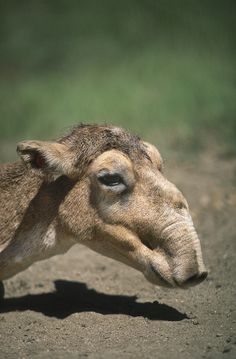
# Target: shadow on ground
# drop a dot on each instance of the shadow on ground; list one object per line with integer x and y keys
{"x": 75, "y": 297}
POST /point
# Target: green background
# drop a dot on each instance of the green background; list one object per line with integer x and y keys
{"x": 162, "y": 69}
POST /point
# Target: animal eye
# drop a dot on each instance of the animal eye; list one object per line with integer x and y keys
{"x": 110, "y": 179}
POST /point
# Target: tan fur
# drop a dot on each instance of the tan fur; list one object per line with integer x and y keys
{"x": 55, "y": 198}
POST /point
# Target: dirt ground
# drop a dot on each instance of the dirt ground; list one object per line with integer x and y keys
{"x": 83, "y": 305}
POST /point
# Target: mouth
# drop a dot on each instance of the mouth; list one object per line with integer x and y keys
{"x": 157, "y": 278}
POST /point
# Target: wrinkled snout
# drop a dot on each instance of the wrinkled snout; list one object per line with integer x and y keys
{"x": 181, "y": 244}
{"x": 188, "y": 266}
{"x": 178, "y": 259}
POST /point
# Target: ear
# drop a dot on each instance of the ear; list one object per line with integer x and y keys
{"x": 154, "y": 155}
{"x": 50, "y": 159}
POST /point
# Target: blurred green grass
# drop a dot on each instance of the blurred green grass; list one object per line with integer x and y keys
{"x": 163, "y": 69}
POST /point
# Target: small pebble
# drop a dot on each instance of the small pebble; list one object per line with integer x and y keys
{"x": 226, "y": 349}
{"x": 213, "y": 312}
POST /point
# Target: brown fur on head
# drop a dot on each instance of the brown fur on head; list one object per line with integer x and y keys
{"x": 72, "y": 153}
{"x": 104, "y": 187}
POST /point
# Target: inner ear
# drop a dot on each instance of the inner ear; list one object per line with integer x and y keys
{"x": 38, "y": 161}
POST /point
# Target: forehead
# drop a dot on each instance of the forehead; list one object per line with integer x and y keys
{"x": 90, "y": 141}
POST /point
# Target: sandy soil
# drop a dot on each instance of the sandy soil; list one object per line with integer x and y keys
{"x": 83, "y": 305}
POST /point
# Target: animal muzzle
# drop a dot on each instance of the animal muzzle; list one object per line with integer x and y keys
{"x": 181, "y": 272}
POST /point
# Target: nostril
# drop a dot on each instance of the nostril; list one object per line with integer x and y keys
{"x": 191, "y": 279}
{"x": 181, "y": 205}
{"x": 203, "y": 275}
{"x": 196, "y": 278}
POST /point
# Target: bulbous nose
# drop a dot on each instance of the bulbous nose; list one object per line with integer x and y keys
{"x": 195, "y": 279}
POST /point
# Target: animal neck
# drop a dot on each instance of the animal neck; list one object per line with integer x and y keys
{"x": 26, "y": 200}
{"x": 29, "y": 207}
